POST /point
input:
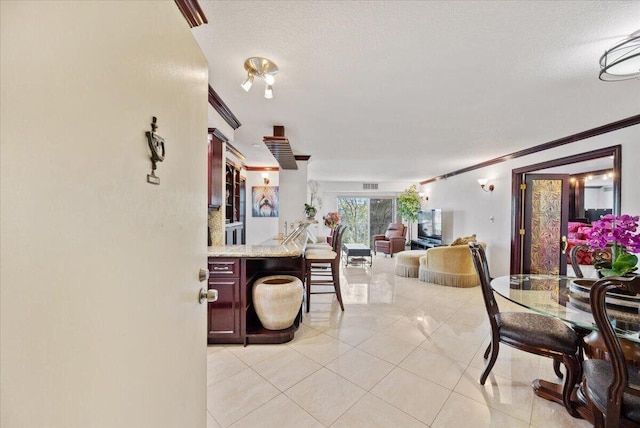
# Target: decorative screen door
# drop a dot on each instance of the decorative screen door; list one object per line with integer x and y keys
{"x": 546, "y": 215}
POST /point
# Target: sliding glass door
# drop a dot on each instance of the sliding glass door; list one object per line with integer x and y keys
{"x": 366, "y": 217}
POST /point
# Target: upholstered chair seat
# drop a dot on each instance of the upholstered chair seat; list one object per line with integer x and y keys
{"x": 537, "y": 330}
{"x": 600, "y": 375}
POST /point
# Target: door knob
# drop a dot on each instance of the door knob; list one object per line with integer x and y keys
{"x": 211, "y": 295}
{"x": 565, "y": 244}
{"x": 203, "y": 275}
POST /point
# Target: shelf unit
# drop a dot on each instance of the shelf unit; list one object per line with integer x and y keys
{"x": 235, "y": 205}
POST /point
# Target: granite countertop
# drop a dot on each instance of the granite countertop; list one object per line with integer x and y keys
{"x": 270, "y": 248}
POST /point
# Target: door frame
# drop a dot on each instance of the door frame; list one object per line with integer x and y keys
{"x": 517, "y": 201}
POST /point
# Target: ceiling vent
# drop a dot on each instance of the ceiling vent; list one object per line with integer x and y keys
{"x": 279, "y": 147}
{"x": 369, "y": 186}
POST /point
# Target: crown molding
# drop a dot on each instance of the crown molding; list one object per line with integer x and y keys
{"x": 262, "y": 168}
{"x": 629, "y": 121}
{"x": 222, "y": 109}
{"x": 192, "y": 12}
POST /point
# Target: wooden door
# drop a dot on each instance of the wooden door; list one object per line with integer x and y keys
{"x": 100, "y": 320}
{"x": 546, "y": 216}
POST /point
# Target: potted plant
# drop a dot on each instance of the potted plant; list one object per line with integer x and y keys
{"x": 331, "y": 220}
{"x": 409, "y": 206}
{"x": 619, "y": 234}
{"x": 310, "y": 208}
{"x": 310, "y": 211}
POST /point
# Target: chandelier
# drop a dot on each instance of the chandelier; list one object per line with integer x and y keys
{"x": 622, "y": 61}
{"x": 260, "y": 67}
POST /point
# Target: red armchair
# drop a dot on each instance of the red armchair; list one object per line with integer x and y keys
{"x": 392, "y": 241}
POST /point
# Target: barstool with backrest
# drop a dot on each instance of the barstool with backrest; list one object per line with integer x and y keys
{"x": 316, "y": 260}
{"x": 529, "y": 332}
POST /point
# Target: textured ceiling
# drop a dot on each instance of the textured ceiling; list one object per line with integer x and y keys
{"x": 404, "y": 91}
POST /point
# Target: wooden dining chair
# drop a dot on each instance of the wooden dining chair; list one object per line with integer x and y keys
{"x": 315, "y": 262}
{"x": 613, "y": 387}
{"x": 593, "y": 255}
{"x": 529, "y": 332}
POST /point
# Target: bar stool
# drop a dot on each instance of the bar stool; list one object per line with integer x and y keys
{"x": 315, "y": 262}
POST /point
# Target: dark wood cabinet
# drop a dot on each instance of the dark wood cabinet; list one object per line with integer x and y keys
{"x": 232, "y": 319}
{"x": 223, "y": 316}
{"x": 235, "y": 205}
{"x": 214, "y": 172}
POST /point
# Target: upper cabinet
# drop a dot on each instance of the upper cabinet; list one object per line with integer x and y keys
{"x": 214, "y": 171}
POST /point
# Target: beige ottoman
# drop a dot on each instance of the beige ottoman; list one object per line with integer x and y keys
{"x": 408, "y": 263}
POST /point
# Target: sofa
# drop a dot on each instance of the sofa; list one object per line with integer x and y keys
{"x": 449, "y": 265}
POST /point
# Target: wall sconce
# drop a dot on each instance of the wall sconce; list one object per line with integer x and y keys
{"x": 424, "y": 196}
{"x": 483, "y": 182}
{"x": 265, "y": 178}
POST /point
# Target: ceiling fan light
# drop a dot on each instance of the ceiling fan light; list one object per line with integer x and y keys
{"x": 270, "y": 79}
{"x": 268, "y": 92}
{"x": 246, "y": 85}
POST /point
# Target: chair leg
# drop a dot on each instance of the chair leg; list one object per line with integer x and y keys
{"x": 308, "y": 284}
{"x": 486, "y": 353}
{"x": 556, "y": 368}
{"x": 335, "y": 271}
{"x": 572, "y": 364}
{"x": 495, "y": 345}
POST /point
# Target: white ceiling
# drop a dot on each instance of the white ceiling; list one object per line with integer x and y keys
{"x": 407, "y": 90}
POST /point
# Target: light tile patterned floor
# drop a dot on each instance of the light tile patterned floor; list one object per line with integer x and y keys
{"x": 404, "y": 353}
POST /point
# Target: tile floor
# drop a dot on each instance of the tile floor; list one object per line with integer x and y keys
{"x": 404, "y": 353}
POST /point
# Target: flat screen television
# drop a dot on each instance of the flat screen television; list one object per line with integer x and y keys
{"x": 430, "y": 225}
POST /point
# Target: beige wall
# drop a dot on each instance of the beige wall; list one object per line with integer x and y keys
{"x": 100, "y": 323}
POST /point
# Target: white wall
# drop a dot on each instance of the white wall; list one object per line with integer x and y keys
{"x": 467, "y": 209}
{"x": 330, "y": 191}
{"x": 598, "y": 197}
{"x": 260, "y": 229}
{"x": 293, "y": 195}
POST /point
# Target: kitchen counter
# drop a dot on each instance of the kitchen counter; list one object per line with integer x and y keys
{"x": 233, "y": 269}
{"x": 271, "y": 248}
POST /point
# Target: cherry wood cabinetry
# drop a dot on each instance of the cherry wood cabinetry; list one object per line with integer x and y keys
{"x": 235, "y": 205}
{"x": 214, "y": 171}
{"x": 223, "y": 316}
{"x": 232, "y": 319}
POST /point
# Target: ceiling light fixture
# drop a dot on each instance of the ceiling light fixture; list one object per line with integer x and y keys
{"x": 260, "y": 67}
{"x": 622, "y": 61}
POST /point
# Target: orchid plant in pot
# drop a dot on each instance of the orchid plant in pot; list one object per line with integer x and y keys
{"x": 619, "y": 233}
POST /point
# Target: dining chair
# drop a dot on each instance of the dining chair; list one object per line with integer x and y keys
{"x": 613, "y": 387}
{"x": 534, "y": 333}
{"x": 584, "y": 252}
{"x": 315, "y": 262}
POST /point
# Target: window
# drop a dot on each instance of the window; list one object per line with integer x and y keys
{"x": 365, "y": 217}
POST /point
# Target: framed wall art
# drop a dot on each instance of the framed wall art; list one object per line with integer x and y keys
{"x": 265, "y": 201}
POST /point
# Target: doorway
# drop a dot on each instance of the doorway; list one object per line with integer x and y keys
{"x": 529, "y": 253}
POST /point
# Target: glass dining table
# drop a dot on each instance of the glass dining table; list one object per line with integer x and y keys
{"x": 567, "y": 298}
